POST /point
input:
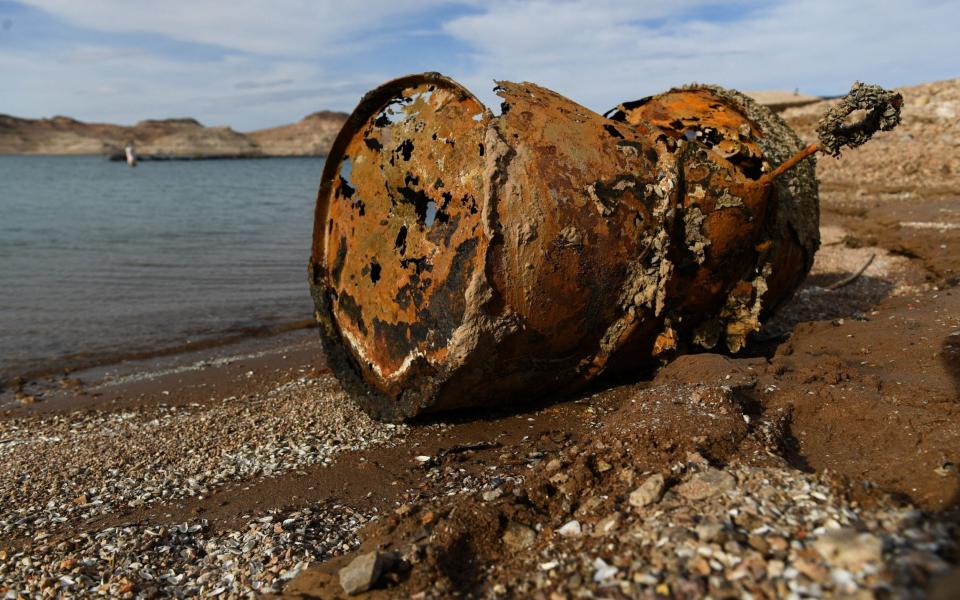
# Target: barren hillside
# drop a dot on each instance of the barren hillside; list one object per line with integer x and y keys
{"x": 168, "y": 138}
{"x": 923, "y": 151}
{"x": 311, "y": 136}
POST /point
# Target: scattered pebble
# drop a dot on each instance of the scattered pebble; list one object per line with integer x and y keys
{"x": 648, "y": 493}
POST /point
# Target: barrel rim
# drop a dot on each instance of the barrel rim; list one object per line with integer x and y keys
{"x": 340, "y": 360}
{"x": 371, "y": 103}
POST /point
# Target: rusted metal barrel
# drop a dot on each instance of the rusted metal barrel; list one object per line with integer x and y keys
{"x": 465, "y": 259}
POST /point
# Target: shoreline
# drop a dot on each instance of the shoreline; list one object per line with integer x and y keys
{"x": 165, "y": 157}
{"x": 69, "y": 377}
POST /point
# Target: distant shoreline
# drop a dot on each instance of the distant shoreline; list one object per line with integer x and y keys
{"x": 168, "y": 139}
{"x": 169, "y": 157}
{"x": 164, "y": 157}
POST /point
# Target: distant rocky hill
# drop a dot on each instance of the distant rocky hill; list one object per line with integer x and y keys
{"x": 168, "y": 138}
{"x": 313, "y": 136}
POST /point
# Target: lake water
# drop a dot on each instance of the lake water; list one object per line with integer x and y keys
{"x": 99, "y": 261}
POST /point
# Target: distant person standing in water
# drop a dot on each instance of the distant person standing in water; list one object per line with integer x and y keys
{"x": 131, "y": 156}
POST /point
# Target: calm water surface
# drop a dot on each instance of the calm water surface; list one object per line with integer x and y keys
{"x": 99, "y": 260}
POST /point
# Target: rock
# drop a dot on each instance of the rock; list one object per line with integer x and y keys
{"x": 812, "y": 570}
{"x": 778, "y": 544}
{"x": 519, "y": 537}
{"x": 849, "y": 549}
{"x": 699, "y": 566}
{"x": 27, "y": 399}
{"x": 602, "y": 571}
{"x": 775, "y": 569}
{"x": 570, "y": 529}
{"x": 758, "y": 543}
{"x": 362, "y": 573}
{"x": 608, "y": 525}
{"x": 589, "y": 506}
{"x": 126, "y": 586}
{"x": 705, "y": 484}
{"x": 649, "y": 492}
{"x": 491, "y": 495}
{"x": 709, "y": 532}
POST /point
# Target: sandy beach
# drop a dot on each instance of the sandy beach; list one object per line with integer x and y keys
{"x": 820, "y": 461}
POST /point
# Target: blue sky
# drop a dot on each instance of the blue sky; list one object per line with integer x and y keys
{"x": 252, "y": 64}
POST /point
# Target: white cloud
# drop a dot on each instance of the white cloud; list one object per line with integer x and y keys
{"x": 282, "y": 27}
{"x": 283, "y": 59}
{"x": 601, "y": 53}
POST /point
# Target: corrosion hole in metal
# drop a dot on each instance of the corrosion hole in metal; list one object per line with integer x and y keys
{"x": 388, "y": 116}
{"x": 401, "y": 242}
{"x": 406, "y": 149}
{"x": 609, "y": 128}
{"x": 346, "y": 184}
{"x": 373, "y": 143}
{"x": 431, "y": 215}
{"x": 374, "y": 271}
{"x": 421, "y": 204}
{"x": 481, "y": 149}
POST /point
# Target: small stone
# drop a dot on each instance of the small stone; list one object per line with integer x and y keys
{"x": 709, "y": 532}
{"x": 570, "y": 529}
{"x": 428, "y": 517}
{"x": 649, "y": 492}
{"x": 700, "y": 566}
{"x": 519, "y": 537}
{"x": 775, "y": 569}
{"x": 812, "y": 570}
{"x": 362, "y": 573}
{"x": 67, "y": 564}
{"x": 126, "y": 586}
{"x": 758, "y": 543}
{"x": 608, "y": 525}
{"x": 603, "y": 466}
{"x": 706, "y": 484}
{"x": 847, "y": 548}
{"x": 81, "y": 500}
{"x": 554, "y": 465}
{"x": 491, "y": 495}
{"x": 602, "y": 571}
{"x": 589, "y": 506}
{"x": 778, "y": 544}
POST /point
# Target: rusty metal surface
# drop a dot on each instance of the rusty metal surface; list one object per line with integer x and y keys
{"x": 465, "y": 259}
